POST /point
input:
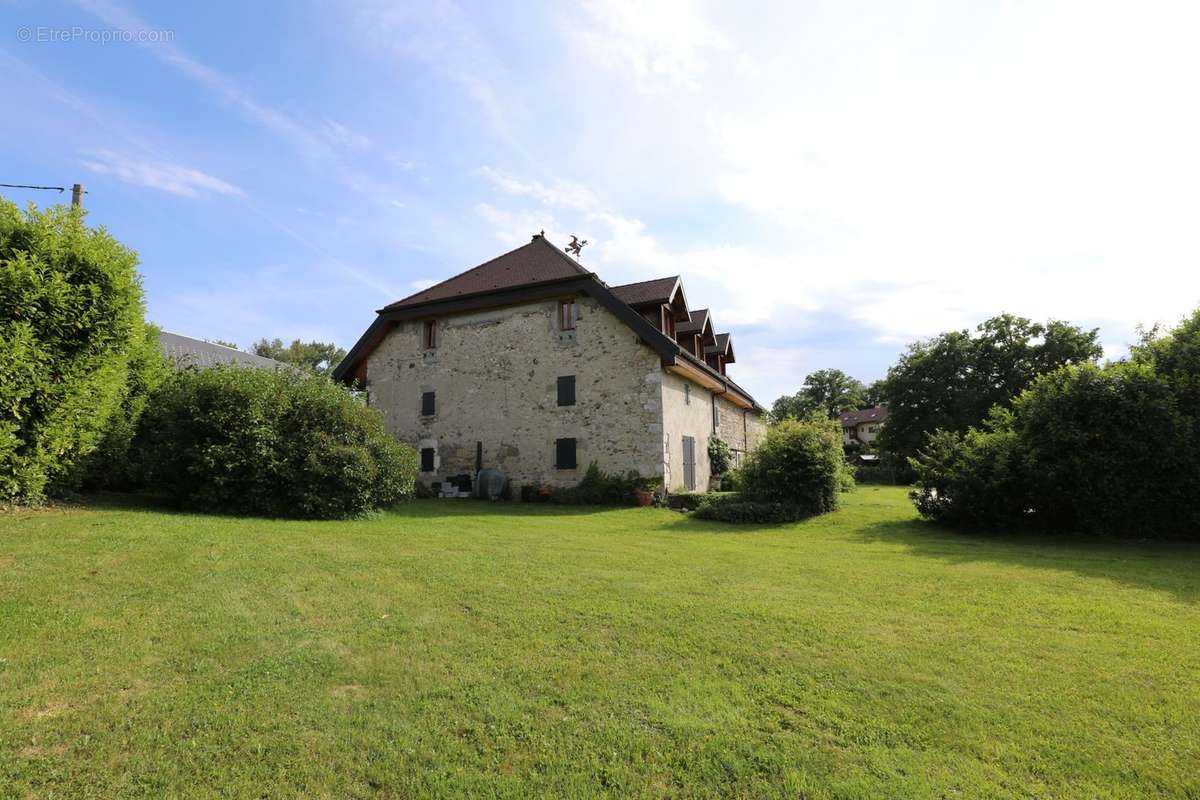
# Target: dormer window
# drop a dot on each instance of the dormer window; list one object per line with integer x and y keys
{"x": 430, "y": 334}
{"x": 567, "y": 314}
{"x": 668, "y": 321}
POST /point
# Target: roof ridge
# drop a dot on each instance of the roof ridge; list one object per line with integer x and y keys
{"x": 578, "y": 268}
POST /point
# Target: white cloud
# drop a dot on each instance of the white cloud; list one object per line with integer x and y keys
{"x": 666, "y": 45}
{"x": 162, "y": 175}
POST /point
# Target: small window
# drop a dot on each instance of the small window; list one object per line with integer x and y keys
{"x": 564, "y": 453}
{"x": 566, "y": 315}
{"x": 566, "y": 390}
{"x": 428, "y": 404}
{"x": 427, "y": 459}
{"x": 716, "y": 414}
{"x": 687, "y": 394}
{"x": 430, "y": 334}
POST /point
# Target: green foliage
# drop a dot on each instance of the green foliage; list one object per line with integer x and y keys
{"x": 71, "y": 321}
{"x": 274, "y": 443}
{"x": 1111, "y": 450}
{"x": 319, "y": 357}
{"x": 719, "y": 456}
{"x": 826, "y": 392}
{"x": 952, "y": 381}
{"x": 599, "y": 488}
{"x": 800, "y": 464}
{"x": 113, "y": 465}
{"x": 733, "y": 508}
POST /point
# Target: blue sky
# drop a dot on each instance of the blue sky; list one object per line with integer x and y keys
{"x": 834, "y": 180}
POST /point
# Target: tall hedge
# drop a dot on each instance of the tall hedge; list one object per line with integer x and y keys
{"x": 71, "y": 317}
{"x": 1110, "y": 450}
{"x": 273, "y": 443}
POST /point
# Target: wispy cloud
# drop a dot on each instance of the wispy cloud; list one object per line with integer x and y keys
{"x": 165, "y": 176}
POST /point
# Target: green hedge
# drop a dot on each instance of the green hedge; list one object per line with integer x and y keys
{"x": 732, "y": 508}
{"x": 71, "y": 320}
{"x": 1109, "y": 450}
{"x": 274, "y": 443}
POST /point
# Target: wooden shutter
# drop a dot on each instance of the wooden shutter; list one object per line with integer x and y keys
{"x": 566, "y": 390}
{"x": 564, "y": 453}
{"x": 427, "y": 459}
{"x": 689, "y": 463}
{"x": 428, "y": 404}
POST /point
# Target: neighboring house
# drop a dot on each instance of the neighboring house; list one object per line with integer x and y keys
{"x": 531, "y": 364}
{"x": 184, "y": 351}
{"x": 862, "y": 425}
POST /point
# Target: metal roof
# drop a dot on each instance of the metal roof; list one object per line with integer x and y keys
{"x": 184, "y": 351}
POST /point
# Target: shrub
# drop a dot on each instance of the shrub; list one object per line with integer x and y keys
{"x": 598, "y": 488}
{"x": 1112, "y": 450}
{"x": 733, "y": 508}
{"x": 71, "y": 316}
{"x": 719, "y": 456}
{"x": 800, "y": 463}
{"x": 276, "y": 443}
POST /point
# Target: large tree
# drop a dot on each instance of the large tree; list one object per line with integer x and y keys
{"x": 320, "y": 357}
{"x": 950, "y": 382}
{"x": 826, "y": 391}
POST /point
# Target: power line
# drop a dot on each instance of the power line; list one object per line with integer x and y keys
{"x": 59, "y": 189}
{"x": 77, "y": 190}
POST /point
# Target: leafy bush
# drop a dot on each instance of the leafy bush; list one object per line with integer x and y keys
{"x": 276, "y": 443}
{"x": 1112, "y": 450}
{"x": 112, "y": 464}
{"x": 599, "y": 488}
{"x": 733, "y": 508}
{"x": 719, "y": 456}
{"x": 71, "y": 319}
{"x": 800, "y": 463}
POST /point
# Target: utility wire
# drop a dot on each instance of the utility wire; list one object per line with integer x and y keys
{"x": 59, "y": 189}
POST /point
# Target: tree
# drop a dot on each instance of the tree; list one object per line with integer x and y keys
{"x": 826, "y": 391}
{"x": 952, "y": 381}
{"x": 71, "y": 321}
{"x": 320, "y": 357}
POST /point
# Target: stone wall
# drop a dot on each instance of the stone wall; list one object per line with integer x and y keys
{"x": 494, "y": 374}
{"x": 686, "y": 412}
{"x": 741, "y": 429}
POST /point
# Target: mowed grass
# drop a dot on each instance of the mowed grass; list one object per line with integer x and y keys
{"x": 462, "y": 648}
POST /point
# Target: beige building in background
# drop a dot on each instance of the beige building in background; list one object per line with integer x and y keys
{"x": 531, "y": 365}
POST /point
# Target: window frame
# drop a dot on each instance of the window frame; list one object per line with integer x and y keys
{"x": 429, "y": 400}
{"x": 567, "y": 320}
{"x": 430, "y": 334}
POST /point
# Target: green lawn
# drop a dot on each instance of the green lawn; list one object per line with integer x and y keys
{"x": 462, "y": 648}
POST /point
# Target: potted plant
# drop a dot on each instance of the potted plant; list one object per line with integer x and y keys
{"x": 719, "y": 458}
{"x": 643, "y": 492}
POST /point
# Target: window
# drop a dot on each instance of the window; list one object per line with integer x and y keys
{"x": 716, "y": 413}
{"x": 687, "y": 394}
{"x": 428, "y": 404}
{"x": 566, "y": 390}
{"x": 566, "y": 315}
{"x": 427, "y": 459}
{"x": 430, "y": 334}
{"x": 564, "y": 453}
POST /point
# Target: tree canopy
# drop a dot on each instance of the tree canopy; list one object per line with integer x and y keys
{"x": 320, "y": 357}
{"x": 827, "y": 392}
{"x": 951, "y": 382}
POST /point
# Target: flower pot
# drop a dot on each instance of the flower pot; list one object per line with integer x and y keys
{"x": 644, "y": 497}
{"x": 714, "y": 483}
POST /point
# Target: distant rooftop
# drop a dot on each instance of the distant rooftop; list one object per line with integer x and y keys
{"x": 184, "y": 351}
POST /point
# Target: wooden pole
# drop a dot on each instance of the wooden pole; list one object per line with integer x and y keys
{"x": 77, "y": 195}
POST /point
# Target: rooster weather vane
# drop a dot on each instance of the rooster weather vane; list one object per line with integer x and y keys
{"x": 576, "y": 246}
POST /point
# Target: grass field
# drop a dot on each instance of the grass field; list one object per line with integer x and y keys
{"x": 461, "y": 648}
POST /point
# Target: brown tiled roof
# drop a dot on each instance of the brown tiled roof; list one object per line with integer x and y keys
{"x": 536, "y": 262}
{"x": 722, "y": 345}
{"x": 658, "y": 290}
{"x": 695, "y": 324}
{"x": 876, "y": 414}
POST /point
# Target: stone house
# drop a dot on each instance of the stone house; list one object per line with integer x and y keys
{"x": 531, "y": 364}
